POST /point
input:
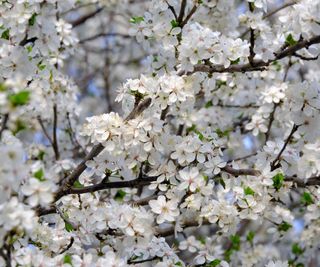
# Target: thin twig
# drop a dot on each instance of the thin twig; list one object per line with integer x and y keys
{"x": 271, "y": 120}
{"x": 102, "y": 34}
{"x": 44, "y": 130}
{"x": 4, "y": 122}
{"x": 54, "y": 129}
{"x": 84, "y": 18}
{"x": 252, "y": 38}
{"x": 68, "y": 246}
{"x": 270, "y": 14}
{"x": 185, "y": 21}
{"x": 276, "y": 164}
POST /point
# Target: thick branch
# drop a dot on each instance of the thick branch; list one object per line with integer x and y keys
{"x": 300, "y": 182}
{"x": 68, "y": 182}
{"x": 119, "y": 184}
{"x": 258, "y": 65}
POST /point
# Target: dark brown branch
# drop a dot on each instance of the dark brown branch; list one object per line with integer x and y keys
{"x": 68, "y": 246}
{"x": 312, "y": 181}
{"x": 68, "y": 182}
{"x": 142, "y": 261}
{"x": 252, "y": 39}
{"x": 138, "y": 109}
{"x": 257, "y": 65}
{"x": 6, "y": 256}
{"x": 54, "y": 129}
{"x": 173, "y": 12}
{"x": 186, "y": 20}
{"x": 271, "y": 120}
{"x": 84, "y": 18}
{"x": 182, "y": 10}
{"x": 278, "y": 9}
{"x": 276, "y": 163}
{"x": 237, "y": 172}
{"x": 305, "y": 58}
{"x": 253, "y": 105}
{"x": 119, "y": 184}
{"x": 4, "y": 122}
{"x": 70, "y": 179}
{"x": 300, "y": 182}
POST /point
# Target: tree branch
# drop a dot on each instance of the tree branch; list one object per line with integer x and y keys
{"x": 182, "y": 10}
{"x": 276, "y": 163}
{"x": 68, "y": 182}
{"x": 257, "y": 65}
{"x": 4, "y": 122}
{"x": 55, "y": 140}
{"x": 119, "y": 184}
{"x": 185, "y": 21}
{"x": 84, "y": 18}
{"x": 271, "y": 13}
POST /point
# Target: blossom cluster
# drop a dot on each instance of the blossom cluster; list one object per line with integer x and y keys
{"x": 159, "y": 133}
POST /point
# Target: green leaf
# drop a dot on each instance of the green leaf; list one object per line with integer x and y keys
{"x": 6, "y": 34}
{"x": 178, "y": 263}
{"x": 19, "y": 126}
{"x": 202, "y": 240}
{"x": 67, "y": 259}
{"x": 41, "y": 154}
{"x": 248, "y": 191}
{"x": 32, "y": 20}
{"x": 277, "y": 65}
{"x": 284, "y": 227}
{"x": 221, "y": 181}
{"x": 77, "y": 184}
{"x": 306, "y": 199}
{"x": 296, "y": 249}
{"x": 214, "y": 263}
{"x": 235, "y": 246}
{"x": 235, "y": 62}
{"x": 120, "y": 195}
{"x": 250, "y": 237}
{"x": 174, "y": 23}
{"x": 29, "y": 48}
{"x": 208, "y": 104}
{"x": 19, "y": 99}
{"x": 41, "y": 66}
{"x": 136, "y": 20}
{"x": 68, "y": 226}
{"x": 39, "y": 174}
{"x": 290, "y": 41}
{"x": 278, "y": 181}
{"x": 3, "y": 88}
{"x": 235, "y": 240}
{"x": 193, "y": 128}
